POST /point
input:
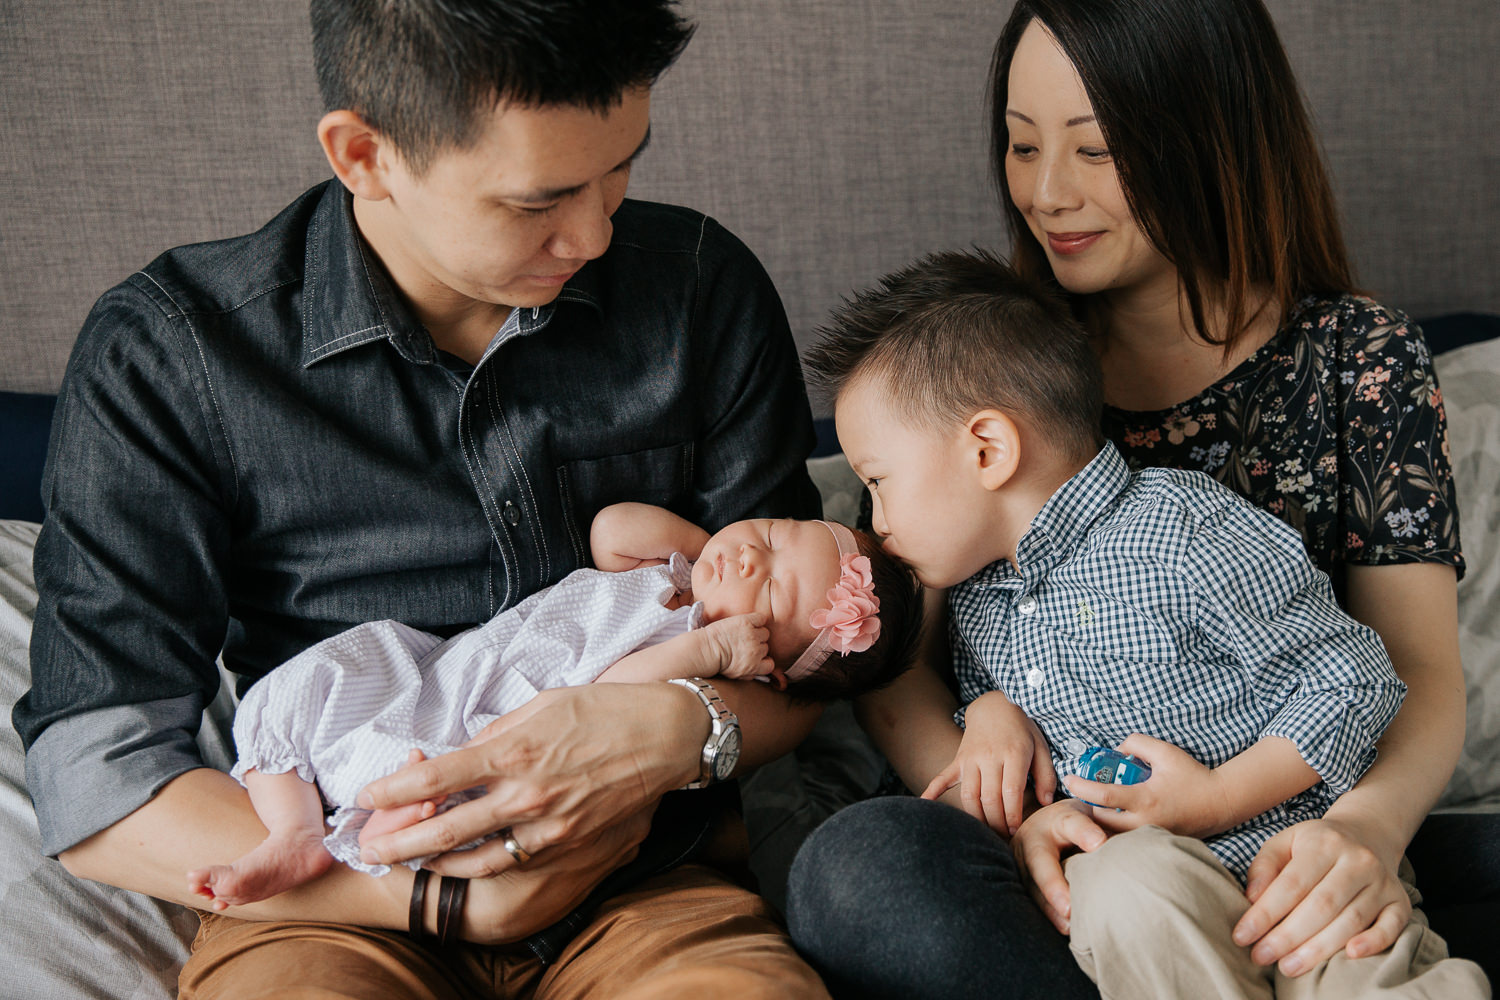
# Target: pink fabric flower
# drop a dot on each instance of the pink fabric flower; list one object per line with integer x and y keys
{"x": 851, "y": 615}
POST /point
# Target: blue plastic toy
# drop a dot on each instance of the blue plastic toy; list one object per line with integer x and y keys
{"x": 1111, "y": 767}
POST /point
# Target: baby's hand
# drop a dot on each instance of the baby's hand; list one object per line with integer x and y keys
{"x": 1000, "y": 747}
{"x": 738, "y": 645}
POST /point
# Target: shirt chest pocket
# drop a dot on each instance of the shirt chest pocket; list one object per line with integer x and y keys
{"x": 659, "y": 476}
{"x": 1098, "y": 628}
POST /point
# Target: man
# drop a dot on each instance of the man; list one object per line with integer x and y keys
{"x": 405, "y": 397}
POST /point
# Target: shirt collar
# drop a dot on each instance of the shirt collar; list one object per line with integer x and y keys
{"x": 1062, "y": 522}
{"x": 349, "y": 300}
{"x": 1067, "y": 516}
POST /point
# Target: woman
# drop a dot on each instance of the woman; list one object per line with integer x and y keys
{"x": 1158, "y": 165}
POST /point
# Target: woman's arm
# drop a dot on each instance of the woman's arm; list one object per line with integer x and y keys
{"x": 910, "y": 721}
{"x": 1330, "y": 884}
{"x": 627, "y": 535}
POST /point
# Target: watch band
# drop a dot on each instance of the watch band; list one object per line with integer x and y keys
{"x": 721, "y": 722}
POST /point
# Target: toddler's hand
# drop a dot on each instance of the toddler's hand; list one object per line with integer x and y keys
{"x": 1181, "y": 795}
{"x": 739, "y": 644}
{"x": 1000, "y": 747}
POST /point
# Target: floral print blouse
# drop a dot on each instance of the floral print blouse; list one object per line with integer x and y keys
{"x": 1335, "y": 425}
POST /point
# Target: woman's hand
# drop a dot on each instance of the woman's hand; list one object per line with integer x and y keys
{"x": 1039, "y": 846}
{"x": 567, "y": 765}
{"x": 517, "y": 903}
{"x": 1001, "y": 747}
{"x": 1316, "y": 889}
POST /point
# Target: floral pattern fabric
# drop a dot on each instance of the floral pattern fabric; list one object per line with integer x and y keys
{"x": 1335, "y": 425}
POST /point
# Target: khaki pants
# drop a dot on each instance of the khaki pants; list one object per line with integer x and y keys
{"x": 689, "y": 933}
{"x": 1152, "y": 918}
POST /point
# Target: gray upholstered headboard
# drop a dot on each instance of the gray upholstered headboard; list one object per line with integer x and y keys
{"x": 838, "y": 137}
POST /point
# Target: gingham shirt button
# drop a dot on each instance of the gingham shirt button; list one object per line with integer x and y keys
{"x": 1026, "y": 605}
{"x": 1035, "y": 677}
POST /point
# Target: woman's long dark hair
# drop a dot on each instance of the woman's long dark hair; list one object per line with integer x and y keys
{"x": 1209, "y": 134}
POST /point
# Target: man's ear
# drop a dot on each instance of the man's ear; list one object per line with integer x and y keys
{"x": 995, "y": 442}
{"x": 357, "y": 154}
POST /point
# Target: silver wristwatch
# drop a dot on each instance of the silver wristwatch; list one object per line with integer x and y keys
{"x": 722, "y": 751}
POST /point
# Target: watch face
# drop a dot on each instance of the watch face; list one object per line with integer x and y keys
{"x": 728, "y": 755}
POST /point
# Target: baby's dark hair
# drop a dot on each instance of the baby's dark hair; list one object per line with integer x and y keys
{"x": 959, "y": 332}
{"x": 900, "y": 597}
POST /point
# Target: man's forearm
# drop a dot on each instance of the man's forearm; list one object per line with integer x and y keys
{"x": 771, "y": 723}
{"x": 204, "y": 817}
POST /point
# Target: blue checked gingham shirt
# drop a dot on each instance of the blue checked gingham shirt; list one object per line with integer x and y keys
{"x": 1160, "y": 602}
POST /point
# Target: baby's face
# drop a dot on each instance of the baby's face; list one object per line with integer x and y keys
{"x": 781, "y": 568}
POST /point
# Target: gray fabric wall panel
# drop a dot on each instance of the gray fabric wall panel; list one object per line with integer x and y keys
{"x": 1406, "y": 98}
{"x": 131, "y": 127}
{"x": 839, "y": 138}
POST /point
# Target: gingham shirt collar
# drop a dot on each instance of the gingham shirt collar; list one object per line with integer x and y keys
{"x": 1064, "y": 520}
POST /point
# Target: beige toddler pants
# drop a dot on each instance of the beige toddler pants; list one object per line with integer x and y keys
{"x": 1153, "y": 915}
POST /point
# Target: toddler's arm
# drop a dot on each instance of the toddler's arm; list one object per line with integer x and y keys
{"x": 731, "y": 647}
{"x": 1191, "y": 799}
{"x": 625, "y": 536}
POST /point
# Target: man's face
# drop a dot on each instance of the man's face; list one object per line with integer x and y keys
{"x": 507, "y": 220}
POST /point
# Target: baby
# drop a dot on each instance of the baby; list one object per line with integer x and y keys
{"x": 770, "y": 599}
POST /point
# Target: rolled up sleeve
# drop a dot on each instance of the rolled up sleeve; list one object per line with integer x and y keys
{"x": 131, "y": 610}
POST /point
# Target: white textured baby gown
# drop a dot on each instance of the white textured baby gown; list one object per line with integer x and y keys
{"x": 350, "y": 709}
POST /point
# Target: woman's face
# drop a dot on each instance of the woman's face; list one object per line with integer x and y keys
{"x": 1063, "y": 180}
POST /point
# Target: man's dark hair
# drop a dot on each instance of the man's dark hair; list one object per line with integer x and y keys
{"x": 423, "y": 72}
{"x": 959, "y": 332}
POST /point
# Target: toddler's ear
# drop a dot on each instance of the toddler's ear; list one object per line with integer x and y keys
{"x": 994, "y": 443}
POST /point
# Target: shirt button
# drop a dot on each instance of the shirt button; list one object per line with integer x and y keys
{"x": 511, "y": 513}
{"x": 1026, "y": 605}
{"x": 1035, "y": 677}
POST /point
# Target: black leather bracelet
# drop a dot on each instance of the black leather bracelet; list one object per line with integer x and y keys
{"x": 418, "y": 906}
{"x": 451, "y": 896}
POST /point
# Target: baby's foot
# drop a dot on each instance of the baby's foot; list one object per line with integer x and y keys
{"x": 281, "y": 862}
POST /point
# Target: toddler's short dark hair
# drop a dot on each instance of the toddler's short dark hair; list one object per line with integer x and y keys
{"x": 421, "y": 72}
{"x": 958, "y": 332}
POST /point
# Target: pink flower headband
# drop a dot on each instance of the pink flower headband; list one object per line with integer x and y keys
{"x": 849, "y": 623}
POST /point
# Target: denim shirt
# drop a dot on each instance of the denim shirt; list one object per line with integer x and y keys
{"x": 257, "y": 446}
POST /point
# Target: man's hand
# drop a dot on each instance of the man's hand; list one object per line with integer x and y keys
{"x": 1039, "y": 846}
{"x": 517, "y": 903}
{"x": 558, "y": 771}
{"x": 738, "y": 645}
{"x": 1000, "y": 748}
